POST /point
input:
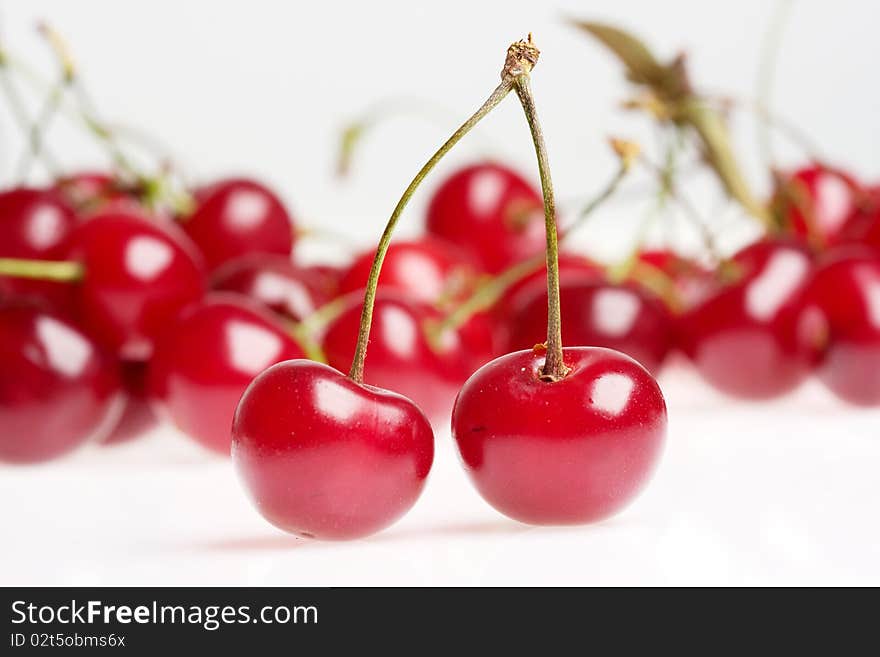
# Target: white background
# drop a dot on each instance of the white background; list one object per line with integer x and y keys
{"x": 783, "y": 493}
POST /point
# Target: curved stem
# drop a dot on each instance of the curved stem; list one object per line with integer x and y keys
{"x": 357, "y": 366}
{"x": 554, "y": 368}
{"x": 44, "y": 270}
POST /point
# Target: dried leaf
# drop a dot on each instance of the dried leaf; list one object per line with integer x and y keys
{"x": 642, "y": 66}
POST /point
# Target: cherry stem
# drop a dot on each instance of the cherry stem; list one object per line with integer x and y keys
{"x": 554, "y": 366}
{"x": 521, "y": 57}
{"x": 490, "y": 291}
{"x": 44, "y": 270}
{"x": 19, "y": 112}
{"x": 53, "y": 101}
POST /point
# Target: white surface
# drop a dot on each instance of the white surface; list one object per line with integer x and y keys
{"x": 785, "y": 493}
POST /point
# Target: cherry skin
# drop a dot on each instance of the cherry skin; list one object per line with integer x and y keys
{"x": 401, "y": 357}
{"x": 864, "y": 226}
{"x": 138, "y": 274}
{"x": 275, "y": 281}
{"x": 815, "y": 195}
{"x": 327, "y": 276}
{"x": 599, "y": 314}
{"x": 324, "y": 457}
{"x": 206, "y": 359}
{"x": 844, "y": 298}
{"x": 35, "y": 224}
{"x": 491, "y": 212}
{"x": 237, "y": 216}
{"x": 574, "y": 451}
{"x": 745, "y": 339}
{"x": 58, "y": 390}
{"x": 428, "y": 270}
{"x": 138, "y": 416}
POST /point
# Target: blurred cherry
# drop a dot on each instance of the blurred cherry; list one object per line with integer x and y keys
{"x": 58, "y": 390}
{"x": 138, "y": 274}
{"x": 691, "y": 281}
{"x": 572, "y": 451}
{"x": 598, "y": 313}
{"x": 327, "y": 277}
{"x": 428, "y": 270}
{"x": 324, "y": 457}
{"x": 91, "y": 191}
{"x": 843, "y": 301}
{"x": 205, "y": 360}
{"x": 275, "y": 281}
{"x": 744, "y": 339}
{"x": 491, "y": 212}
{"x": 35, "y": 224}
{"x": 237, "y": 216}
{"x": 403, "y": 356}
{"x": 815, "y": 198}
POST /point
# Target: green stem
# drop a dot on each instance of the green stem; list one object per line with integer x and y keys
{"x": 554, "y": 366}
{"x": 521, "y": 58}
{"x": 45, "y": 270}
{"x": 357, "y": 366}
{"x": 41, "y": 125}
{"x": 767, "y": 75}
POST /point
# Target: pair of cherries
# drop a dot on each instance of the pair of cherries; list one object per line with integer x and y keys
{"x": 324, "y": 456}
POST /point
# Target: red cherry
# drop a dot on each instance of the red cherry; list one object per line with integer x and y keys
{"x": 90, "y": 191}
{"x": 744, "y": 339}
{"x": 275, "y": 281}
{"x": 322, "y": 456}
{"x": 599, "y": 314}
{"x": 58, "y": 390}
{"x": 491, "y": 212}
{"x": 817, "y": 194}
{"x": 35, "y": 224}
{"x": 238, "y": 216}
{"x": 428, "y": 270}
{"x": 864, "y": 226}
{"x": 139, "y": 273}
{"x": 401, "y": 357}
{"x": 206, "y": 359}
{"x": 692, "y": 282}
{"x": 138, "y": 416}
{"x": 843, "y": 299}
{"x": 327, "y": 277}
{"x": 573, "y": 451}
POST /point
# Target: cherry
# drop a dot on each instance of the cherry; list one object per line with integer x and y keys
{"x": 35, "y": 224}
{"x": 238, "y": 216}
{"x": 864, "y": 225}
{"x": 491, "y": 212}
{"x": 402, "y": 355}
{"x": 692, "y": 282}
{"x": 843, "y": 300}
{"x": 744, "y": 339}
{"x": 206, "y": 359}
{"x": 58, "y": 390}
{"x": 322, "y": 456}
{"x": 327, "y": 276}
{"x": 570, "y": 451}
{"x": 275, "y": 281}
{"x": 815, "y": 201}
{"x": 428, "y": 270}
{"x": 598, "y": 314}
{"x": 89, "y": 191}
{"x": 138, "y": 274}
{"x": 138, "y": 416}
